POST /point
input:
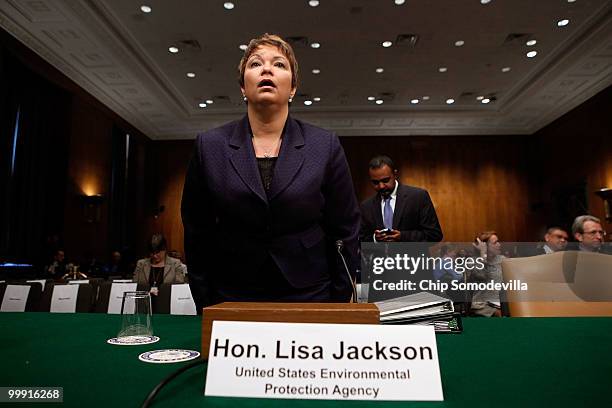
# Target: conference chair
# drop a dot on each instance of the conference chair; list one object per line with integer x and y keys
{"x": 83, "y": 301}
{"x": 33, "y": 298}
{"x": 560, "y": 284}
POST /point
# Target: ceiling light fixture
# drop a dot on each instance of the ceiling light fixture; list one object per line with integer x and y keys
{"x": 425, "y": 98}
{"x": 485, "y": 1}
{"x": 506, "y": 69}
{"x": 316, "y": 71}
{"x": 145, "y": 9}
{"x": 191, "y": 75}
{"x": 315, "y": 45}
{"x": 202, "y": 105}
{"x": 532, "y": 54}
{"x": 399, "y": 2}
{"x": 313, "y": 3}
{"x": 563, "y": 23}
{"x": 228, "y": 5}
{"x": 316, "y": 99}
{"x": 371, "y": 98}
{"x": 571, "y": 1}
{"x": 380, "y": 70}
{"x": 209, "y": 101}
{"x": 479, "y": 98}
{"x": 414, "y": 101}
{"x": 485, "y": 101}
{"x": 442, "y": 69}
{"x": 459, "y": 43}
{"x": 173, "y": 49}
{"x": 379, "y": 101}
{"x": 387, "y": 44}
{"x": 243, "y": 47}
{"x": 531, "y": 43}
{"x": 450, "y": 101}
{"x": 307, "y": 102}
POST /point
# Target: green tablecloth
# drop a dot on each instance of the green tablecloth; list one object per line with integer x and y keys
{"x": 508, "y": 362}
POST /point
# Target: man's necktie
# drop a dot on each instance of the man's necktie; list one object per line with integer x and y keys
{"x": 388, "y": 214}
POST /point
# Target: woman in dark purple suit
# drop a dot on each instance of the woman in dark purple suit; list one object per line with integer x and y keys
{"x": 267, "y": 198}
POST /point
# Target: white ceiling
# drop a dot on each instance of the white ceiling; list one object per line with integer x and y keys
{"x": 120, "y": 55}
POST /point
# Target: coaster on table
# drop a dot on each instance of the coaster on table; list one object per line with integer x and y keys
{"x": 133, "y": 340}
{"x": 168, "y": 356}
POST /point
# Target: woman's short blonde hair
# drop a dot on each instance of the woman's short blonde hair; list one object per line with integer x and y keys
{"x": 275, "y": 41}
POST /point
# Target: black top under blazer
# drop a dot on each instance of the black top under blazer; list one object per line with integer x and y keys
{"x": 414, "y": 216}
{"x": 232, "y": 227}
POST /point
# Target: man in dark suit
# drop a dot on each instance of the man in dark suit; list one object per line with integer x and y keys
{"x": 397, "y": 213}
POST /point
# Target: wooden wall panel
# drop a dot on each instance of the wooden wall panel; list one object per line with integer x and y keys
{"x": 577, "y": 147}
{"x": 166, "y": 167}
{"x": 89, "y": 172}
{"x": 476, "y": 183}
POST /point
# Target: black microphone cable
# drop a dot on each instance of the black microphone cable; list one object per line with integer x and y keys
{"x": 339, "y": 247}
{"x": 147, "y": 402}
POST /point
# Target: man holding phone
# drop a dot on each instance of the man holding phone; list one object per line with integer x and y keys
{"x": 397, "y": 213}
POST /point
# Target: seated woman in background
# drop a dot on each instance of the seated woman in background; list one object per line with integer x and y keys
{"x": 158, "y": 268}
{"x": 486, "y": 303}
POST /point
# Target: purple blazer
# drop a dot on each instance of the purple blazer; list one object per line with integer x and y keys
{"x": 232, "y": 227}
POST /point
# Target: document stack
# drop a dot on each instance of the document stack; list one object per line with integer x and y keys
{"x": 422, "y": 308}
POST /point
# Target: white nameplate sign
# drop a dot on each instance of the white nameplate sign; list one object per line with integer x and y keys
{"x": 64, "y": 298}
{"x": 323, "y": 361}
{"x": 15, "y": 298}
{"x": 116, "y": 297}
{"x": 181, "y": 301}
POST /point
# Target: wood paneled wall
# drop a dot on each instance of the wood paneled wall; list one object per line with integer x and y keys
{"x": 578, "y": 148}
{"x": 476, "y": 183}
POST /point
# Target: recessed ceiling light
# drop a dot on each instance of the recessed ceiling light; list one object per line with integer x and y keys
{"x": 371, "y": 98}
{"x": 387, "y": 44}
{"x": 243, "y": 47}
{"x": 485, "y": 1}
{"x": 485, "y": 100}
{"x": 532, "y": 54}
{"x": 414, "y": 101}
{"x": 425, "y": 98}
{"x": 145, "y": 9}
{"x": 531, "y": 43}
{"x": 313, "y": 3}
{"x": 450, "y": 101}
{"x": 442, "y": 69}
{"x": 563, "y": 23}
{"x": 307, "y": 102}
{"x": 173, "y": 49}
{"x": 571, "y": 1}
{"x": 380, "y": 70}
{"x": 316, "y": 99}
{"x": 316, "y": 71}
{"x": 400, "y": 2}
{"x": 506, "y": 69}
{"x": 202, "y": 105}
{"x": 315, "y": 45}
{"x": 228, "y": 5}
{"x": 191, "y": 75}
{"x": 459, "y": 43}
{"x": 379, "y": 101}
{"x": 209, "y": 101}
{"x": 479, "y": 98}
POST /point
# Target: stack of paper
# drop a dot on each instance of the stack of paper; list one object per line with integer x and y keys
{"x": 420, "y": 308}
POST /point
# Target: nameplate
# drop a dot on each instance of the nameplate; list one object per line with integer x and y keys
{"x": 15, "y": 298}
{"x": 115, "y": 298}
{"x": 323, "y": 361}
{"x": 64, "y": 298}
{"x": 181, "y": 301}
